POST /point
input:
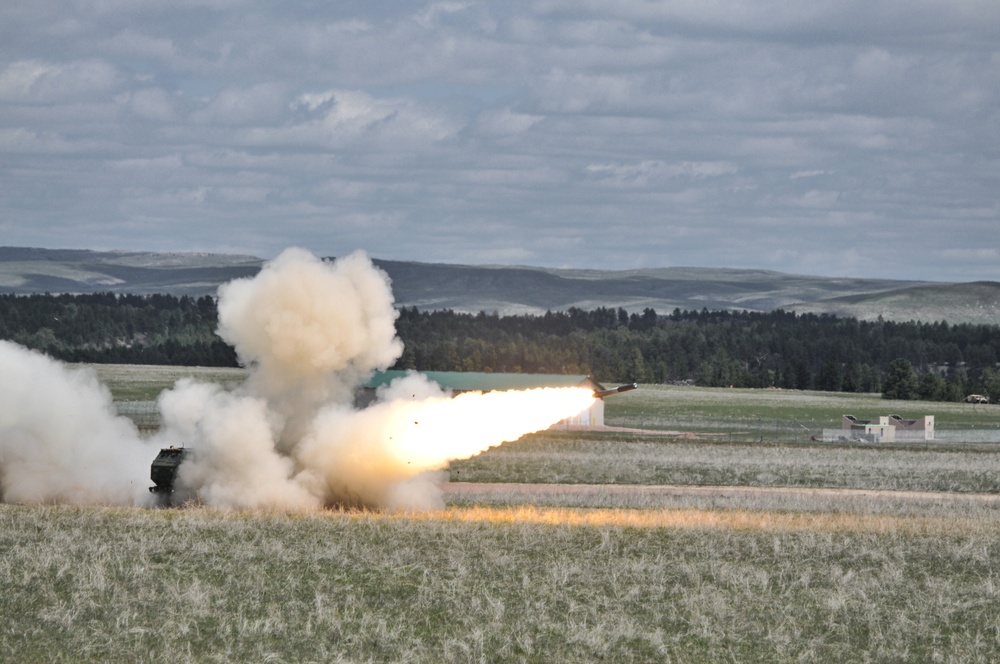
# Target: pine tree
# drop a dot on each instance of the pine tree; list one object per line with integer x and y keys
{"x": 901, "y": 381}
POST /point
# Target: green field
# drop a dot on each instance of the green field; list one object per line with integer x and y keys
{"x": 129, "y": 382}
{"x": 785, "y": 415}
{"x": 780, "y": 570}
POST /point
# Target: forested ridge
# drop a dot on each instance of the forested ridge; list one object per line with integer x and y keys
{"x": 110, "y": 328}
{"x": 710, "y": 348}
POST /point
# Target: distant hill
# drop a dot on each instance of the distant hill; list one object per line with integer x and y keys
{"x": 975, "y": 302}
{"x": 512, "y": 290}
{"x": 27, "y": 270}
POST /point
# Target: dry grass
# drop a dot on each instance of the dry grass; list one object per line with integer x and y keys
{"x": 595, "y": 458}
{"x": 493, "y": 585}
{"x": 976, "y": 508}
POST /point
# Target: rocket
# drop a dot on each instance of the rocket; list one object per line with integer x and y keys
{"x": 600, "y": 394}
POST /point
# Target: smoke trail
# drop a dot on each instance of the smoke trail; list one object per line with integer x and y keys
{"x": 379, "y": 456}
{"x": 60, "y": 438}
{"x": 290, "y": 437}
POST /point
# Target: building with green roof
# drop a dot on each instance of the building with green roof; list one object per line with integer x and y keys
{"x": 461, "y": 381}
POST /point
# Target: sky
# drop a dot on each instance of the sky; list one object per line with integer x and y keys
{"x": 851, "y": 138}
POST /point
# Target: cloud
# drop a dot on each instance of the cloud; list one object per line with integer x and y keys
{"x": 506, "y": 122}
{"x": 153, "y": 104}
{"x": 261, "y": 104}
{"x": 806, "y": 174}
{"x": 342, "y": 117}
{"x": 134, "y": 44}
{"x": 23, "y": 140}
{"x": 448, "y": 130}
{"x": 38, "y": 82}
{"x": 644, "y": 172}
{"x": 974, "y": 255}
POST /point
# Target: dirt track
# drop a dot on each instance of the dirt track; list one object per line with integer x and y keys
{"x": 473, "y": 489}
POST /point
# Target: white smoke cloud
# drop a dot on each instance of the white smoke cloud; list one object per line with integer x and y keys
{"x": 235, "y": 462}
{"x": 61, "y": 440}
{"x": 310, "y": 330}
{"x": 304, "y": 323}
{"x": 290, "y": 438}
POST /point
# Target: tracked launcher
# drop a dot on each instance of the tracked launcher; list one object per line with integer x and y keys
{"x": 163, "y": 471}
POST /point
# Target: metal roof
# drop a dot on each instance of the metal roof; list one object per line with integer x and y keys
{"x": 461, "y": 381}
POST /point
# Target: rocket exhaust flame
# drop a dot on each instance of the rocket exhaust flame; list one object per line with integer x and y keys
{"x": 289, "y": 438}
{"x": 368, "y": 456}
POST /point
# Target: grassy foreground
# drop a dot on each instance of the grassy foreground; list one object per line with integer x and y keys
{"x": 493, "y": 585}
{"x": 515, "y": 576}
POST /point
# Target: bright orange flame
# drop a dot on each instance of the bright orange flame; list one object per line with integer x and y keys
{"x": 427, "y": 434}
{"x": 365, "y": 457}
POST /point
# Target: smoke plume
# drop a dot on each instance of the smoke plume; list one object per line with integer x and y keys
{"x": 309, "y": 329}
{"x": 61, "y": 440}
{"x": 290, "y": 437}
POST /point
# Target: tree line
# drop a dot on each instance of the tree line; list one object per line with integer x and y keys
{"x": 109, "y": 328}
{"x": 935, "y": 361}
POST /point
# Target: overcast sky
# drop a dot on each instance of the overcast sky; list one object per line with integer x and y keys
{"x": 831, "y": 137}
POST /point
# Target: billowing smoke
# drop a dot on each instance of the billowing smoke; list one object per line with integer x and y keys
{"x": 289, "y": 438}
{"x": 60, "y": 437}
{"x": 310, "y": 330}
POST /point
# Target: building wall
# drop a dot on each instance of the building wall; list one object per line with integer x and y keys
{"x": 890, "y": 428}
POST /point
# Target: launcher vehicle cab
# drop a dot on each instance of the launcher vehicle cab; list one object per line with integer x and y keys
{"x": 163, "y": 470}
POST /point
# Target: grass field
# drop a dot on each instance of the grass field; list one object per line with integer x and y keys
{"x": 756, "y": 574}
{"x": 599, "y": 458}
{"x": 129, "y": 382}
{"x": 494, "y": 585}
{"x": 784, "y": 415}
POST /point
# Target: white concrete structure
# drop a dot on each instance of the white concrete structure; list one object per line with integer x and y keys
{"x": 888, "y": 429}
